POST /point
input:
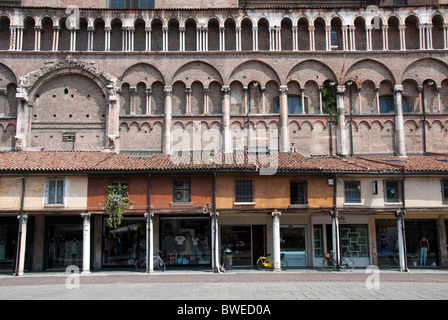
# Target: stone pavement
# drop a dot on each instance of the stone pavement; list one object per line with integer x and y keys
{"x": 235, "y": 285}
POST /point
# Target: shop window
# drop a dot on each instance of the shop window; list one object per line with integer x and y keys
{"x": 64, "y": 243}
{"x": 243, "y": 191}
{"x": 298, "y": 193}
{"x": 354, "y": 240}
{"x": 54, "y": 191}
{"x": 445, "y": 190}
{"x": 352, "y": 191}
{"x": 181, "y": 191}
{"x": 185, "y": 240}
{"x": 126, "y": 244}
{"x": 393, "y": 191}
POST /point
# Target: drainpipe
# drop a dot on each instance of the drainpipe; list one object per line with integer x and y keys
{"x": 331, "y": 133}
{"x": 20, "y": 252}
{"x": 424, "y": 113}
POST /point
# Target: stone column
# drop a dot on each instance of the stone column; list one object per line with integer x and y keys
{"x": 21, "y": 245}
{"x": 113, "y": 121}
{"x": 284, "y": 133}
{"x": 399, "y": 122}
{"x": 401, "y": 240}
{"x": 168, "y": 120}
{"x": 226, "y": 131}
{"x": 86, "y": 243}
{"x": 342, "y": 134}
{"x": 276, "y": 240}
{"x": 149, "y": 241}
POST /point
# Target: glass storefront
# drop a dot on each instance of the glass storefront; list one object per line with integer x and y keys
{"x": 415, "y": 231}
{"x": 124, "y": 245}
{"x": 247, "y": 243}
{"x": 293, "y": 245}
{"x": 64, "y": 243}
{"x": 8, "y": 241}
{"x": 353, "y": 241}
{"x": 185, "y": 240}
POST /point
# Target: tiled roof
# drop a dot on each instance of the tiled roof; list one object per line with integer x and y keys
{"x": 78, "y": 161}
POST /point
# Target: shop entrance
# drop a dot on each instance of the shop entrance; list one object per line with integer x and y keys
{"x": 247, "y": 243}
{"x": 63, "y": 245}
{"x": 415, "y": 231}
{"x": 185, "y": 241}
{"x": 293, "y": 244}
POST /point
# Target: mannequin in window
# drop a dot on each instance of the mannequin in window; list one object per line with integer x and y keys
{"x": 424, "y": 247}
{"x": 180, "y": 241}
{"x": 2, "y": 250}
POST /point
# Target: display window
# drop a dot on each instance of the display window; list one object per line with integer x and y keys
{"x": 247, "y": 243}
{"x": 421, "y": 242}
{"x": 8, "y": 244}
{"x": 64, "y": 244}
{"x": 185, "y": 240}
{"x": 126, "y": 244}
{"x": 293, "y": 245}
{"x": 354, "y": 240}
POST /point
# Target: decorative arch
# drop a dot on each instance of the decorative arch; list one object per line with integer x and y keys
{"x": 197, "y": 71}
{"x": 369, "y": 69}
{"x": 427, "y": 68}
{"x": 141, "y": 72}
{"x": 29, "y": 84}
{"x": 311, "y": 70}
{"x": 259, "y": 71}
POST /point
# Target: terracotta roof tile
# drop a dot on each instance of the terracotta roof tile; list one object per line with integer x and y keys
{"x": 78, "y": 161}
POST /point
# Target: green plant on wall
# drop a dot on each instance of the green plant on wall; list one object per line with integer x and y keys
{"x": 328, "y": 97}
{"x": 116, "y": 202}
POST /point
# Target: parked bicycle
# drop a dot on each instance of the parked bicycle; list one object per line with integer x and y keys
{"x": 159, "y": 263}
{"x": 264, "y": 263}
{"x": 329, "y": 263}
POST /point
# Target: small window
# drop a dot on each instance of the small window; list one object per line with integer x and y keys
{"x": 294, "y": 105}
{"x": 352, "y": 191}
{"x": 334, "y": 39}
{"x": 298, "y": 191}
{"x": 445, "y": 190}
{"x": 243, "y": 191}
{"x": 387, "y": 105}
{"x": 55, "y": 191}
{"x": 393, "y": 191}
{"x": 181, "y": 191}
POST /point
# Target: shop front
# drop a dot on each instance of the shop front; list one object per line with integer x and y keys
{"x": 354, "y": 238}
{"x": 185, "y": 240}
{"x": 63, "y": 242}
{"x": 124, "y": 245}
{"x": 8, "y": 242}
{"x": 421, "y": 242}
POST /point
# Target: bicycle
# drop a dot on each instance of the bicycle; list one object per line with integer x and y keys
{"x": 264, "y": 263}
{"x": 329, "y": 263}
{"x": 158, "y": 264}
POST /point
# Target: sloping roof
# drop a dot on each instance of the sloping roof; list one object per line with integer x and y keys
{"x": 79, "y": 161}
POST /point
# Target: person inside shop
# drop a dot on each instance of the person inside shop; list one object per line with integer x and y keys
{"x": 424, "y": 247}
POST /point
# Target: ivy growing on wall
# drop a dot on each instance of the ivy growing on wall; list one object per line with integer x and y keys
{"x": 115, "y": 205}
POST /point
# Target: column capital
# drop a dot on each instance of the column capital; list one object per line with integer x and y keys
{"x": 225, "y": 89}
{"x": 149, "y": 215}
{"x": 276, "y": 214}
{"x": 283, "y": 90}
{"x": 398, "y": 88}
{"x": 341, "y": 89}
{"x": 168, "y": 90}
